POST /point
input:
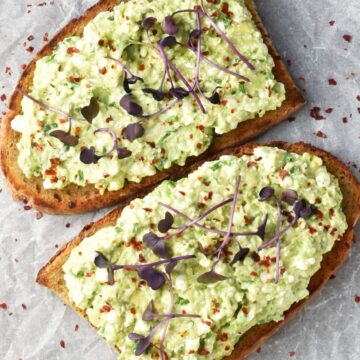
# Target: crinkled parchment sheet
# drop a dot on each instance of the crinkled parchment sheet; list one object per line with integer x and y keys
{"x": 36, "y": 322}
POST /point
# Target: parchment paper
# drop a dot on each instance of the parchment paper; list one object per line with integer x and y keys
{"x": 36, "y": 325}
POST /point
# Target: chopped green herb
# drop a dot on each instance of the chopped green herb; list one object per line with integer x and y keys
{"x": 81, "y": 175}
{"x": 242, "y": 88}
{"x": 50, "y": 58}
{"x": 167, "y": 134}
{"x": 216, "y": 166}
{"x": 111, "y": 18}
{"x": 181, "y": 301}
{"x": 48, "y": 127}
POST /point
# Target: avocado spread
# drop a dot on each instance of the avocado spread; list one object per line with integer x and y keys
{"x": 79, "y": 69}
{"x": 227, "y": 308}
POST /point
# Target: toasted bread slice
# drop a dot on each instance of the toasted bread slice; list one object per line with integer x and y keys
{"x": 51, "y": 274}
{"x": 75, "y": 199}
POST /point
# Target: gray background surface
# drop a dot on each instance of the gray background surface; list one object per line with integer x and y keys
{"x": 36, "y": 321}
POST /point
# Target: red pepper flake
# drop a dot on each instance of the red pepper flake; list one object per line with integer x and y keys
{"x": 224, "y": 337}
{"x": 23, "y": 66}
{"x": 208, "y": 323}
{"x": 283, "y": 173}
{"x": 27, "y": 207}
{"x": 39, "y": 215}
{"x": 3, "y": 306}
{"x": 245, "y": 310}
{"x": 89, "y": 274}
{"x": 103, "y": 70}
{"x": 8, "y": 70}
{"x": 67, "y": 225}
{"x": 315, "y": 113}
{"x": 203, "y": 352}
{"x": 332, "y": 276}
{"x": 254, "y": 273}
{"x": 46, "y": 37}
{"x": 292, "y": 353}
{"x": 358, "y": 98}
{"x": 201, "y": 127}
{"x": 24, "y": 306}
{"x": 215, "y": 310}
{"x": 101, "y": 42}
{"x": 30, "y": 38}
{"x": 142, "y": 258}
{"x": 227, "y": 348}
{"x": 312, "y": 230}
{"x": 72, "y": 50}
{"x": 30, "y": 49}
{"x": 357, "y": 299}
{"x": 223, "y": 102}
{"x": 191, "y": 352}
{"x": 358, "y": 109}
{"x": 288, "y": 61}
{"x": 208, "y": 196}
{"x": 331, "y": 212}
{"x": 332, "y": 82}
{"x": 347, "y": 37}
{"x": 133, "y": 311}
{"x": 198, "y": 145}
{"x": 266, "y": 261}
{"x": 137, "y": 245}
{"x": 332, "y": 22}
{"x": 258, "y": 350}
{"x": 344, "y": 120}
{"x": 319, "y": 215}
{"x": 76, "y": 327}
{"x": 329, "y": 110}
{"x": 320, "y": 134}
{"x": 3, "y": 97}
{"x": 182, "y": 193}
{"x": 333, "y": 231}
{"x": 141, "y": 67}
{"x": 148, "y": 209}
{"x": 62, "y": 344}
{"x": 106, "y": 308}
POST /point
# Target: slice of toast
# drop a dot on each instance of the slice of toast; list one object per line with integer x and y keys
{"x": 76, "y": 199}
{"x": 51, "y": 274}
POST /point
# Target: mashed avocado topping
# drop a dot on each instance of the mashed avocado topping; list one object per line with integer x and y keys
{"x": 249, "y": 294}
{"x": 81, "y": 69}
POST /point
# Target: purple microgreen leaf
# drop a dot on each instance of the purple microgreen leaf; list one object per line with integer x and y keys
{"x": 142, "y": 346}
{"x": 134, "y": 131}
{"x": 168, "y": 41}
{"x": 65, "y": 137}
{"x": 135, "y": 336}
{"x": 157, "y": 94}
{"x": 169, "y": 26}
{"x": 91, "y": 111}
{"x": 262, "y": 228}
{"x": 179, "y": 92}
{"x": 88, "y": 156}
{"x": 170, "y": 267}
{"x": 148, "y": 22}
{"x": 299, "y": 206}
{"x": 149, "y": 313}
{"x": 130, "y": 106}
{"x": 101, "y": 261}
{"x": 123, "y": 153}
{"x": 240, "y": 255}
{"x": 156, "y": 244}
{"x": 214, "y": 98}
{"x": 194, "y": 37}
{"x": 306, "y": 212}
{"x": 266, "y": 193}
{"x": 289, "y": 196}
{"x": 165, "y": 224}
{"x": 154, "y": 278}
{"x": 211, "y": 277}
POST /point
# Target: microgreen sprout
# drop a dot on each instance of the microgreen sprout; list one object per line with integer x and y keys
{"x": 88, "y": 155}
{"x": 150, "y": 314}
{"x": 155, "y": 278}
{"x": 129, "y": 77}
{"x": 64, "y": 136}
{"x": 300, "y": 209}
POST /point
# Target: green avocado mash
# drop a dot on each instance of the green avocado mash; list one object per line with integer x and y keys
{"x": 227, "y": 308}
{"x": 78, "y": 70}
